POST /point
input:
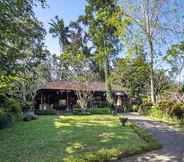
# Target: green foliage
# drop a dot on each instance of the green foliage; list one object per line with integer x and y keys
{"x": 6, "y": 119}
{"x": 10, "y": 108}
{"x": 123, "y": 120}
{"x": 132, "y": 72}
{"x": 146, "y": 99}
{"x": 26, "y": 106}
{"x": 182, "y": 89}
{"x": 3, "y": 99}
{"x": 2, "y": 113}
{"x": 151, "y": 142}
{"x": 21, "y": 37}
{"x": 58, "y": 29}
{"x": 178, "y": 111}
{"x": 78, "y": 111}
{"x": 135, "y": 108}
{"x": 101, "y": 155}
{"x": 100, "y": 110}
{"x": 175, "y": 58}
{"x": 162, "y": 82}
{"x": 76, "y": 108}
{"x": 144, "y": 107}
{"x": 155, "y": 112}
{"x": 106, "y": 23}
{"x": 166, "y": 106}
{"x": 92, "y": 110}
{"x": 12, "y": 105}
{"x": 127, "y": 106}
{"x": 49, "y": 111}
{"x": 167, "y": 110}
{"x": 22, "y": 51}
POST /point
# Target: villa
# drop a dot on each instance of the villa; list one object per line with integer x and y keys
{"x": 61, "y": 95}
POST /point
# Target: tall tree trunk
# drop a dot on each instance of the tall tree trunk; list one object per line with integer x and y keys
{"x": 108, "y": 82}
{"x": 152, "y": 66}
{"x": 150, "y": 43}
{"x": 152, "y": 76}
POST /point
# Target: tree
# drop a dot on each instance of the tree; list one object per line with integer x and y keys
{"x": 58, "y": 29}
{"x": 79, "y": 48}
{"x": 105, "y": 22}
{"x": 162, "y": 83}
{"x": 132, "y": 73}
{"x": 175, "y": 58}
{"x": 85, "y": 95}
{"x": 21, "y": 40}
{"x": 153, "y": 23}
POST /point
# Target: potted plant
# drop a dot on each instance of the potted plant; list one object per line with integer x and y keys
{"x": 123, "y": 120}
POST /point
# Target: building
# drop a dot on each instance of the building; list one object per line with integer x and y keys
{"x": 61, "y": 95}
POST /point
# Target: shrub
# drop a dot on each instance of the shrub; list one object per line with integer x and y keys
{"x": 167, "y": 110}
{"x": 182, "y": 89}
{"x": 99, "y": 110}
{"x": 155, "y": 112}
{"x": 165, "y": 106}
{"x": 99, "y": 156}
{"x": 3, "y": 99}
{"x": 13, "y": 106}
{"x": 46, "y": 112}
{"x": 82, "y": 113}
{"x": 144, "y": 107}
{"x": 6, "y": 119}
{"x": 135, "y": 101}
{"x": 76, "y": 109}
{"x": 178, "y": 111}
{"x": 10, "y": 111}
{"x": 146, "y": 99}
{"x": 29, "y": 115}
{"x": 123, "y": 120}
{"x": 26, "y": 106}
{"x": 127, "y": 107}
{"x": 135, "y": 108}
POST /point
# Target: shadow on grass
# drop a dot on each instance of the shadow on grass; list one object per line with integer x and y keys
{"x": 96, "y": 135}
{"x": 54, "y": 139}
{"x": 171, "y": 140}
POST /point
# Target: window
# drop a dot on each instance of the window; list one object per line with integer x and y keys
{"x": 62, "y": 102}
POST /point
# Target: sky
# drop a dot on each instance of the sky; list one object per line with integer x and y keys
{"x": 67, "y": 9}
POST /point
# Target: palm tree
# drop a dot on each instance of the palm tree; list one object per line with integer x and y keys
{"x": 59, "y": 30}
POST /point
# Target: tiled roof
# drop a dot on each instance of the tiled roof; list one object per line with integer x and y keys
{"x": 76, "y": 85}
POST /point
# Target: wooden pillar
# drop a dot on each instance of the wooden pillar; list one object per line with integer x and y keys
{"x": 48, "y": 100}
{"x": 119, "y": 101}
{"x": 67, "y": 102}
{"x": 41, "y": 104}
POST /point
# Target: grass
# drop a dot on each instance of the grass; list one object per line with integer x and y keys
{"x": 71, "y": 139}
{"x": 151, "y": 142}
{"x": 178, "y": 125}
{"x": 157, "y": 115}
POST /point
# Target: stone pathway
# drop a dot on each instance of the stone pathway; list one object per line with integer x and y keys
{"x": 171, "y": 140}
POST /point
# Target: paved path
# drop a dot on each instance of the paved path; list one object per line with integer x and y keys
{"x": 171, "y": 140}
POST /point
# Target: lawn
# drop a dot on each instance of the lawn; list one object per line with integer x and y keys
{"x": 67, "y": 138}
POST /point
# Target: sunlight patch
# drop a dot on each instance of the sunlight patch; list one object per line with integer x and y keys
{"x": 74, "y": 148}
{"x": 60, "y": 124}
{"x": 106, "y": 136}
